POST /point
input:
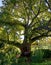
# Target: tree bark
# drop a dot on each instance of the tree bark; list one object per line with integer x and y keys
{"x": 26, "y": 50}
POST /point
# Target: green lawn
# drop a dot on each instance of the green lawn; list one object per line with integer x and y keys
{"x": 44, "y": 63}
{"x": 32, "y": 63}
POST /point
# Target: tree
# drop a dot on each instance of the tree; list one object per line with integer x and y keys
{"x": 28, "y": 18}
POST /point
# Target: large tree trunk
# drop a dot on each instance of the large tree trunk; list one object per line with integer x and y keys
{"x": 26, "y": 46}
{"x": 26, "y": 50}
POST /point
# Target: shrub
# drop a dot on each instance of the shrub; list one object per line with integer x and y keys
{"x": 41, "y": 55}
{"x": 38, "y": 56}
{"x": 47, "y": 53}
{"x": 8, "y": 56}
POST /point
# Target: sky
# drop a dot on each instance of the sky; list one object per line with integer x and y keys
{"x": 0, "y": 2}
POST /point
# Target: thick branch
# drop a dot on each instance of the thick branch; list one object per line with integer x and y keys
{"x": 36, "y": 14}
{"x": 40, "y": 36}
{"x": 43, "y": 27}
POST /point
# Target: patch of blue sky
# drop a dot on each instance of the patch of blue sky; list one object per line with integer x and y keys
{"x": 1, "y": 3}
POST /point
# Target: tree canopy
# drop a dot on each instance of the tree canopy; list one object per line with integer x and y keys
{"x": 24, "y": 21}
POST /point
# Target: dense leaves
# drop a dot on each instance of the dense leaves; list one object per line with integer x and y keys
{"x": 24, "y": 21}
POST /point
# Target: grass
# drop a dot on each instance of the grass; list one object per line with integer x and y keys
{"x": 43, "y": 63}
{"x": 32, "y": 63}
